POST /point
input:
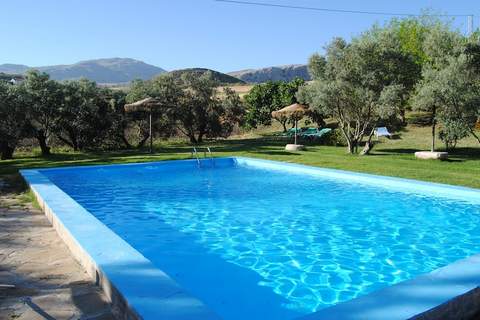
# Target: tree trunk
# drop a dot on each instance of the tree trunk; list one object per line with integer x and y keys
{"x": 193, "y": 139}
{"x": 472, "y": 131}
{"x": 42, "y": 141}
{"x": 66, "y": 141}
{"x": 351, "y": 146}
{"x": 434, "y": 124}
{"x": 368, "y": 145}
{"x": 6, "y": 151}
{"x": 142, "y": 142}
{"x": 403, "y": 117}
{"x": 125, "y": 141}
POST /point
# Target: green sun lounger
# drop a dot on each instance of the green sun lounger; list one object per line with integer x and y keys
{"x": 291, "y": 132}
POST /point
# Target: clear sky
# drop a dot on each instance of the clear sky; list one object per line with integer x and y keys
{"x": 175, "y": 34}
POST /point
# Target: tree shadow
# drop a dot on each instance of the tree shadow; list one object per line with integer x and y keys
{"x": 456, "y": 155}
{"x": 33, "y": 285}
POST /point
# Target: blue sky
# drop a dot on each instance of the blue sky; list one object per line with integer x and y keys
{"x": 175, "y": 34}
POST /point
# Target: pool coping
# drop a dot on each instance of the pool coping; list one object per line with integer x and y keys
{"x": 107, "y": 261}
{"x": 124, "y": 274}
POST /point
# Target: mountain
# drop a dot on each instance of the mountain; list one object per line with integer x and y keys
{"x": 222, "y": 78}
{"x": 279, "y": 73}
{"x": 13, "y": 68}
{"x": 114, "y": 70}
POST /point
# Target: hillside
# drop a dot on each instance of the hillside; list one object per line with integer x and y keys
{"x": 10, "y": 68}
{"x": 9, "y": 77}
{"x": 278, "y": 73}
{"x": 114, "y": 70}
{"x": 222, "y": 78}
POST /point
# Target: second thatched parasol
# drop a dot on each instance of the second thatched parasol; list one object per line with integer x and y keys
{"x": 145, "y": 105}
{"x": 295, "y": 111}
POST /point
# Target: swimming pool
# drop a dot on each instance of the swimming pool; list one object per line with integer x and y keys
{"x": 255, "y": 239}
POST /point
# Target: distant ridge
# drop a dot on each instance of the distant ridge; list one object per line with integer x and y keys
{"x": 222, "y": 78}
{"x": 112, "y": 70}
{"x": 278, "y": 73}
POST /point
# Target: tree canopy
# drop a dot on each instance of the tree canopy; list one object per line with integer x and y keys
{"x": 363, "y": 82}
{"x": 267, "y": 97}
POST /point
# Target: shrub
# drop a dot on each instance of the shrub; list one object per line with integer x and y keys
{"x": 452, "y": 132}
{"x": 334, "y": 138}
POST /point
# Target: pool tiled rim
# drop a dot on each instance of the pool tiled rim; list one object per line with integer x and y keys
{"x": 139, "y": 290}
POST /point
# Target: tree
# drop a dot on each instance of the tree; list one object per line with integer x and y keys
{"x": 191, "y": 105}
{"x": 316, "y": 66}
{"x": 233, "y": 112}
{"x": 200, "y": 112}
{"x": 441, "y": 47}
{"x": 116, "y": 135}
{"x": 84, "y": 116}
{"x": 46, "y": 98}
{"x": 14, "y": 103}
{"x": 260, "y": 104}
{"x": 364, "y": 82}
{"x": 164, "y": 89}
{"x": 452, "y": 95}
{"x": 267, "y": 97}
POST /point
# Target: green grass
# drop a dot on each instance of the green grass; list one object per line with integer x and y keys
{"x": 390, "y": 157}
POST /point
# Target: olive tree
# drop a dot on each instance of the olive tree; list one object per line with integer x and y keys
{"x": 116, "y": 133}
{"x": 190, "y": 105}
{"x": 202, "y": 112}
{"x": 364, "y": 82}
{"x": 45, "y": 101}
{"x": 165, "y": 90}
{"x": 452, "y": 95}
{"x": 14, "y": 102}
{"x": 444, "y": 57}
{"x": 83, "y": 116}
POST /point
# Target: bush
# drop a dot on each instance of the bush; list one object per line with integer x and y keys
{"x": 334, "y": 138}
{"x": 452, "y": 132}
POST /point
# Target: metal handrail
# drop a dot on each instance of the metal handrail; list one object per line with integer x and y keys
{"x": 205, "y": 150}
{"x": 195, "y": 153}
{"x": 211, "y": 156}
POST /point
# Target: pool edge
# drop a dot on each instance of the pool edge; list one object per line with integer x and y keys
{"x": 124, "y": 306}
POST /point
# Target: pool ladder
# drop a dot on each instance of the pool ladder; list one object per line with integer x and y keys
{"x": 205, "y": 151}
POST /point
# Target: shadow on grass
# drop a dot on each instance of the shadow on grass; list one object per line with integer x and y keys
{"x": 278, "y": 153}
{"x": 457, "y": 154}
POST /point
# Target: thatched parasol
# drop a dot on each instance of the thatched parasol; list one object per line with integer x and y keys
{"x": 295, "y": 111}
{"x": 145, "y": 105}
{"x": 142, "y": 105}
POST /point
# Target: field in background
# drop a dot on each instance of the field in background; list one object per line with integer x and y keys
{"x": 392, "y": 157}
{"x": 241, "y": 89}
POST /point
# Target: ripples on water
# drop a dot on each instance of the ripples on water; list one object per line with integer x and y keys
{"x": 313, "y": 242}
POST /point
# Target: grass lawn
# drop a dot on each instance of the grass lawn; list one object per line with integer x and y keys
{"x": 390, "y": 157}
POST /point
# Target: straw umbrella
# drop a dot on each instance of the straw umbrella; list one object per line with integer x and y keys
{"x": 145, "y": 105}
{"x": 295, "y": 111}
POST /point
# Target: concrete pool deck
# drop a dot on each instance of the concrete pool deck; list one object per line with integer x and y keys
{"x": 39, "y": 279}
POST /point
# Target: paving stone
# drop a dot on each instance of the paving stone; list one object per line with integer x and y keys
{"x": 48, "y": 281}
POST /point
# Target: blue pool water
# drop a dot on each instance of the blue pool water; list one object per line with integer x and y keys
{"x": 255, "y": 242}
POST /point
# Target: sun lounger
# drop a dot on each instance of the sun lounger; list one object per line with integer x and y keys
{"x": 382, "y": 132}
{"x": 291, "y": 132}
{"x": 315, "y": 133}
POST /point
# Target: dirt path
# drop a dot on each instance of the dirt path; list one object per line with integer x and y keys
{"x": 39, "y": 279}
